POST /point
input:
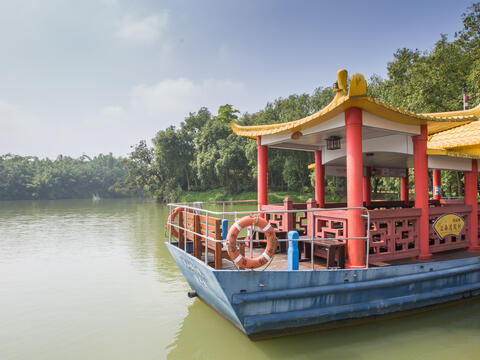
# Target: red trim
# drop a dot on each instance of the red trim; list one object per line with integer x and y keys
{"x": 367, "y": 188}
{"x": 319, "y": 179}
{"x": 437, "y": 184}
{"x": 404, "y": 188}
{"x": 262, "y": 172}
{"x": 421, "y": 189}
{"x": 471, "y": 198}
{"x": 356, "y": 247}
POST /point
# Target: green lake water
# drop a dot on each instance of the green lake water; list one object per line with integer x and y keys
{"x": 84, "y": 280}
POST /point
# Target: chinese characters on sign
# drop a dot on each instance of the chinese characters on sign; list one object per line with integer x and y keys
{"x": 448, "y": 224}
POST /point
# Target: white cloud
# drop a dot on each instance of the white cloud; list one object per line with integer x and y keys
{"x": 145, "y": 30}
{"x": 170, "y": 100}
{"x": 149, "y": 108}
{"x": 113, "y": 111}
{"x": 20, "y": 131}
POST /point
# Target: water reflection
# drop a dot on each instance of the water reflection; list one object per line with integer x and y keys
{"x": 448, "y": 333}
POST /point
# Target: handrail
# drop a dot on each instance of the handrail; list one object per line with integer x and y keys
{"x": 207, "y": 213}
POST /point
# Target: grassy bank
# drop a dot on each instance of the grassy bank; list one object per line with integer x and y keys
{"x": 221, "y": 194}
{"x": 274, "y": 197}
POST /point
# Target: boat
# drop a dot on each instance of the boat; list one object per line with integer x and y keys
{"x": 338, "y": 263}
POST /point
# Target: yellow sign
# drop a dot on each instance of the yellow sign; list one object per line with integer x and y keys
{"x": 448, "y": 224}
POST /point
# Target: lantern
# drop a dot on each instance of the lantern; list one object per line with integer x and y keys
{"x": 333, "y": 143}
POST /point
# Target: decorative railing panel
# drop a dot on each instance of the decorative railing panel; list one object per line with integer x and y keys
{"x": 394, "y": 234}
{"x": 288, "y": 221}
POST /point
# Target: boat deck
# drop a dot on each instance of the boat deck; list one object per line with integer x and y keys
{"x": 280, "y": 260}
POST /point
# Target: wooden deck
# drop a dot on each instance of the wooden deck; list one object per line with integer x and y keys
{"x": 280, "y": 260}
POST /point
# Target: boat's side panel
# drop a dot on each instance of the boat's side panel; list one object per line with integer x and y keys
{"x": 202, "y": 280}
{"x": 275, "y": 300}
{"x": 260, "y": 302}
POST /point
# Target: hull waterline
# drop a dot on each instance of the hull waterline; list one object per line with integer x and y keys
{"x": 266, "y": 303}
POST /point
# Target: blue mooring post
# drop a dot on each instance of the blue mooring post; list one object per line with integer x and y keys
{"x": 224, "y": 228}
{"x": 293, "y": 250}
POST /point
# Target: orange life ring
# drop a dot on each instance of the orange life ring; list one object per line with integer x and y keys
{"x": 171, "y": 219}
{"x": 233, "y": 251}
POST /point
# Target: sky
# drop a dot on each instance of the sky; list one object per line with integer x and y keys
{"x": 90, "y": 77}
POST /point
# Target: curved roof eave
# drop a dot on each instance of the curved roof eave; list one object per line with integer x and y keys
{"x": 357, "y": 97}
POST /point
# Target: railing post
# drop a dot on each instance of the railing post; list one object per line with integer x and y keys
{"x": 311, "y": 239}
{"x": 293, "y": 250}
{"x": 206, "y": 239}
{"x": 181, "y": 223}
{"x": 311, "y": 204}
{"x": 197, "y": 245}
{"x": 224, "y": 228}
{"x": 288, "y": 219}
{"x": 169, "y": 226}
{"x": 185, "y": 221}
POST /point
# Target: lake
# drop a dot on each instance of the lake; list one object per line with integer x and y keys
{"x": 94, "y": 280}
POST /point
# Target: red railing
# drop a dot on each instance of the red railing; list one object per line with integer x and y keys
{"x": 394, "y": 232}
{"x": 288, "y": 221}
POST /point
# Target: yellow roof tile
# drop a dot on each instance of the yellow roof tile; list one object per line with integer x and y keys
{"x": 357, "y": 97}
{"x": 461, "y": 136}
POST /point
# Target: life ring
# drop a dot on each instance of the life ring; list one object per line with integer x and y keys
{"x": 233, "y": 251}
{"x": 171, "y": 219}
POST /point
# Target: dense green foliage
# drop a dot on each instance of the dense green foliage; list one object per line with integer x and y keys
{"x": 26, "y": 178}
{"x": 204, "y": 154}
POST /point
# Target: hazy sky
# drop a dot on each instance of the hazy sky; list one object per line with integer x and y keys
{"x": 98, "y": 76}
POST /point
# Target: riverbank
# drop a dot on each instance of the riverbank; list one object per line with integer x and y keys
{"x": 221, "y": 195}
{"x": 274, "y": 197}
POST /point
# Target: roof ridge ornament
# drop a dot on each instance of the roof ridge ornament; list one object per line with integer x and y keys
{"x": 342, "y": 81}
{"x": 358, "y": 86}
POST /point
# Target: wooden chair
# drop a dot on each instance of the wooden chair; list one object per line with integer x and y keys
{"x": 214, "y": 231}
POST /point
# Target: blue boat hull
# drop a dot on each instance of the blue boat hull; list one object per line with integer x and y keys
{"x": 263, "y": 303}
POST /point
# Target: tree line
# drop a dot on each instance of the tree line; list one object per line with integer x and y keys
{"x": 31, "y": 178}
{"x": 203, "y": 153}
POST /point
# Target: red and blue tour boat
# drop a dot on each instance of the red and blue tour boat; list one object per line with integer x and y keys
{"x": 287, "y": 268}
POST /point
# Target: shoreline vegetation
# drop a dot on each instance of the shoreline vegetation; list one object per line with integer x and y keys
{"x": 274, "y": 197}
{"x": 203, "y": 159}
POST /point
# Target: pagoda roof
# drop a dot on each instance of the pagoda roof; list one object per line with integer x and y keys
{"x": 355, "y": 95}
{"x": 462, "y": 141}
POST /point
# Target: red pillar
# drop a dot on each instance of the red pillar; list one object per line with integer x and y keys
{"x": 471, "y": 198}
{"x": 367, "y": 188}
{"x": 404, "y": 188}
{"x": 356, "y": 247}
{"x": 262, "y": 175}
{"x": 437, "y": 184}
{"x": 319, "y": 179}
{"x": 421, "y": 190}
